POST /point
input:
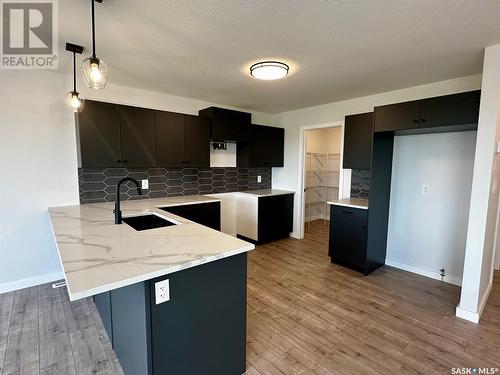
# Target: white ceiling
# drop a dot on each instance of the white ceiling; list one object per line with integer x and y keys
{"x": 337, "y": 49}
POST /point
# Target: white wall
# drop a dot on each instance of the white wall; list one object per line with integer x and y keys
{"x": 38, "y": 169}
{"x": 325, "y": 140}
{"x": 38, "y": 164}
{"x": 478, "y": 267}
{"x": 429, "y": 232}
{"x": 287, "y": 177}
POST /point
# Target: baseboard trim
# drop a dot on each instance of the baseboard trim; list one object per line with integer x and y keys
{"x": 467, "y": 315}
{"x": 295, "y": 235}
{"x": 30, "y": 281}
{"x": 472, "y": 316}
{"x": 422, "y": 271}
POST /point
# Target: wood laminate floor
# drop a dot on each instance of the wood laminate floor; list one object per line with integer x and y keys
{"x": 308, "y": 316}
{"x": 305, "y": 316}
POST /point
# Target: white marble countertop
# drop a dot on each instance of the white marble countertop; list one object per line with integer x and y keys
{"x": 267, "y": 192}
{"x": 351, "y": 202}
{"x": 97, "y": 255}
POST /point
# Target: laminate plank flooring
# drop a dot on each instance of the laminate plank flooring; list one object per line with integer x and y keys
{"x": 42, "y": 332}
{"x": 308, "y": 316}
{"x": 305, "y": 316}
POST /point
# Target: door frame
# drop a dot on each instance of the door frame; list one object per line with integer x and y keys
{"x": 344, "y": 177}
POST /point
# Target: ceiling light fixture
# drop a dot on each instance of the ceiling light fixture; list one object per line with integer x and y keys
{"x": 73, "y": 99}
{"x": 95, "y": 70}
{"x": 269, "y": 70}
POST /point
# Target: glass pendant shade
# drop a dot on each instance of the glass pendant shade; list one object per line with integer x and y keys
{"x": 95, "y": 73}
{"x": 74, "y": 101}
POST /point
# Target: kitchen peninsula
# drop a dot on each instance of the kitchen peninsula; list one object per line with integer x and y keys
{"x": 201, "y": 326}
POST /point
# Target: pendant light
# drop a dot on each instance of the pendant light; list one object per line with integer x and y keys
{"x": 74, "y": 100}
{"x": 95, "y": 70}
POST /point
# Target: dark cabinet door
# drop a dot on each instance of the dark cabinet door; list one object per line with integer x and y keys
{"x": 137, "y": 137}
{"x": 347, "y": 242}
{"x": 275, "y": 217}
{"x": 196, "y": 141}
{"x": 450, "y": 110}
{"x": 228, "y": 125}
{"x": 267, "y": 146}
{"x": 99, "y": 135}
{"x": 169, "y": 139}
{"x": 207, "y": 214}
{"x": 358, "y": 139}
{"x": 400, "y": 116}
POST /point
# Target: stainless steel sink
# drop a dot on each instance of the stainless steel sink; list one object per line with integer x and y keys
{"x": 149, "y": 221}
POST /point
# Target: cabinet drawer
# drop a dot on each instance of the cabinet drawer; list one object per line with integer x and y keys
{"x": 350, "y": 212}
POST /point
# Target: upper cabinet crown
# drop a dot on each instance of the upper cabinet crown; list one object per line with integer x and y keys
{"x": 228, "y": 125}
{"x": 460, "y": 111}
{"x": 358, "y": 138}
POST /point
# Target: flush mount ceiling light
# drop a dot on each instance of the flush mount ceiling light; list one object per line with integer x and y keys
{"x": 95, "y": 70}
{"x": 269, "y": 70}
{"x": 73, "y": 99}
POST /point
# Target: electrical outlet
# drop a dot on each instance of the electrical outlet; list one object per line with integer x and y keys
{"x": 425, "y": 189}
{"x": 162, "y": 291}
{"x": 145, "y": 184}
{"x": 259, "y": 179}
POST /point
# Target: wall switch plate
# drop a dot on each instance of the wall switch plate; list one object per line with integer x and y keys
{"x": 425, "y": 189}
{"x": 162, "y": 291}
{"x": 259, "y": 178}
{"x": 145, "y": 184}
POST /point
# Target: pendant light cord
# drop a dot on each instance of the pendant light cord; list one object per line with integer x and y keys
{"x": 93, "y": 29}
{"x": 74, "y": 71}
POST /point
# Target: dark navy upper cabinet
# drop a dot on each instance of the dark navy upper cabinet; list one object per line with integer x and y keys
{"x": 358, "y": 138}
{"x": 112, "y": 135}
{"x": 265, "y": 148}
{"x": 182, "y": 140}
{"x": 442, "y": 113}
{"x": 228, "y": 125}
{"x": 196, "y": 141}
{"x": 137, "y": 127}
{"x": 169, "y": 139}
{"x": 400, "y": 116}
{"x": 98, "y": 132}
{"x": 450, "y": 110}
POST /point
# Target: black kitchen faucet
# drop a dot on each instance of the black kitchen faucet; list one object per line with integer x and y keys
{"x": 117, "y": 211}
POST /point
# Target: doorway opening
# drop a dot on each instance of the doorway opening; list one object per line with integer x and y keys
{"x": 321, "y": 177}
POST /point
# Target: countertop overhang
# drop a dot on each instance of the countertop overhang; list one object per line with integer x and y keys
{"x": 267, "y": 192}
{"x": 351, "y": 202}
{"x": 98, "y": 256}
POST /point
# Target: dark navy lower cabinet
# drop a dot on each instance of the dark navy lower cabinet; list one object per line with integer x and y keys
{"x": 200, "y": 330}
{"x": 207, "y": 214}
{"x": 352, "y": 242}
{"x": 348, "y": 235}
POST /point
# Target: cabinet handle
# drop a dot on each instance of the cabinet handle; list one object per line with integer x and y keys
{"x": 423, "y": 120}
{"x": 348, "y": 212}
{"x": 118, "y": 161}
{"x": 125, "y": 161}
{"x": 415, "y": 121}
